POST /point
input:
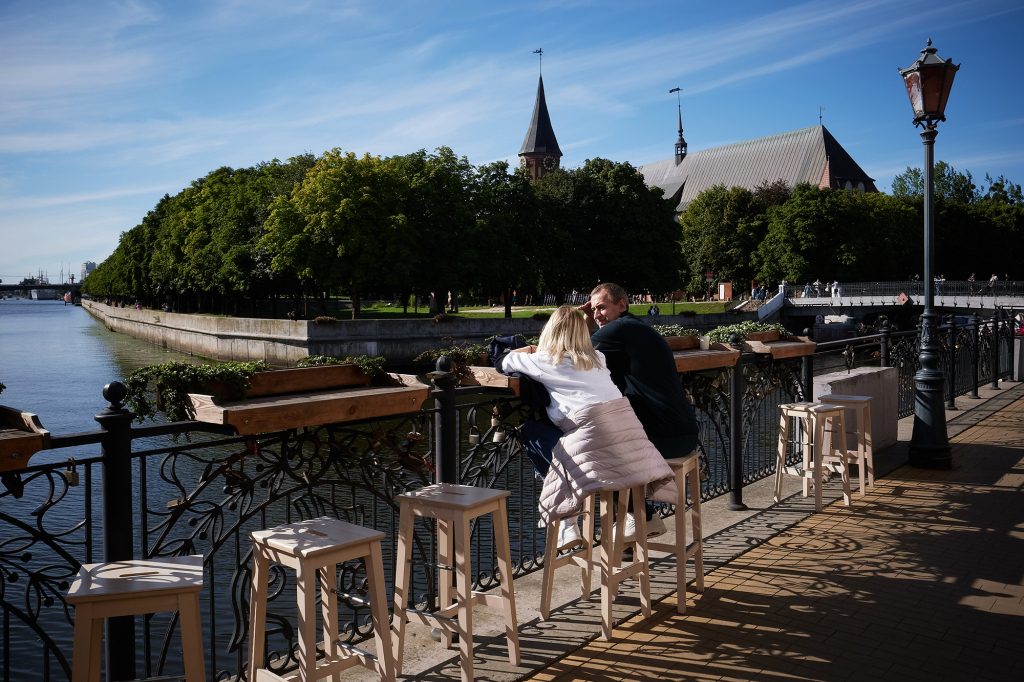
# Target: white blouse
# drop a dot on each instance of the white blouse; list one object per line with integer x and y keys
{"x": 570, "y": 388}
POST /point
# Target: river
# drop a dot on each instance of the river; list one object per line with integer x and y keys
{"x": 55, "y": 360}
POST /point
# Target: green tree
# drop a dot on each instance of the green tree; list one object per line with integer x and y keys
{"x": 948, "y": 184}
{"x": 507, "y": 219}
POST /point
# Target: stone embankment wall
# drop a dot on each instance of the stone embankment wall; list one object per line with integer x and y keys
{"x": 283, "y": 342}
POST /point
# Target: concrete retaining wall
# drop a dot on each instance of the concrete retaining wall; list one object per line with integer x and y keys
{"x": 880, "y": 383}
{"x": 284, "y": 342}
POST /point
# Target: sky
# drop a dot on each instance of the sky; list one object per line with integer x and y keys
{"x": 106, "y": 106}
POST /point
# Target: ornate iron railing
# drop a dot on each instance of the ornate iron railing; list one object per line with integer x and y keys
{"x": 194, "y": 488}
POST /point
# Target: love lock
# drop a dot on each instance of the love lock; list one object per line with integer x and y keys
{"x": 499, "y": 436}
{"x": 474, "y": 435}
{"x": 70, "y": 473}
{"x": 495, "y": 421}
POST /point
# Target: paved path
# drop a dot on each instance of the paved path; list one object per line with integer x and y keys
{"x": 922, "y": 579}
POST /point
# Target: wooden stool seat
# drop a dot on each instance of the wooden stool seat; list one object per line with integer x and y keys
{"x": 610, "y": 567}
{"x": 313, "y": 549}
{"x": 687, "y": 473}
{"x": 823, "y": 427}
{"x": 454, "y": 507}
{"x": 132, "y": 588}
{"x": 863, "y": 455}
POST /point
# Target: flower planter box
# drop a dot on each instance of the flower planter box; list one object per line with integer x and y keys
{"x": 780, "y": 349}
{"x": 21, "y": 436}
{"x": 309, "y": 396}
{"x": 683, "y": 342}
{"x": 715, "y": 356}
{"x": 763, "y": 337}
{"x": 488, "y": 376}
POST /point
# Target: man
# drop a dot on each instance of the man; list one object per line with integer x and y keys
{"x": 642, "y": 366}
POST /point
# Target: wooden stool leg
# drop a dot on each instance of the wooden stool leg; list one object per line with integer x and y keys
{"x": 329, "y": 613}
{"x": 191, "y": 637}
{"x": 547, "y": 578}
{"x": 811, "y": 441}
{"x": 403, "y": 557}
{"x": 587, "y": 553}
{"x": 379, "y": 613}
{"x": 84, "y": 656}
{"x": 868, "y": 445}
{"x": 606, "y": 562}
{"x": 819, "y": 444}
{"x": 508, "y": 592}
{"x": 258, "y": 611}
{"x": 463, "y": 595}
{"x": 698, "y": 527}
{"x": 844, "y": 462}
{"x": 780, "y": 460}
{"x": 446, "y": 564}
{"x": 305, "y": 597}
{"x": 640, "y": 553}
{"x": 680, "y": 544}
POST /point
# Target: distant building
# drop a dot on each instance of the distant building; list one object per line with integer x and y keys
{"x": 810, "y": 155}
{"x": 87, "y": 267}
{"x": 540, "y": 152}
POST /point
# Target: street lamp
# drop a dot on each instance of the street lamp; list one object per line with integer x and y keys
{"x": 928, "y": 81}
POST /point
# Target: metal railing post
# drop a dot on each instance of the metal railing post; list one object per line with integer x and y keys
{"x": 974, "y": 323}
{"x": 118, "y": 532}
{"x": 995, "y": 349}
{"x": 446, "y": 423}
{"x": 736, "y": 389}
{"x": 951, "y": 367}
{"x": 885, "y": 343}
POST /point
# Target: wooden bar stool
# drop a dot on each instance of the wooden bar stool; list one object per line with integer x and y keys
{"x": 860, "y": 405}
{"x": 132, "y": 588}
{"x": 823, "y": 427}
{"x": 611, "y": 570}
{"x": 687, "y": 473}
{"x": 313, "y": 549}
{"x": 454, "y": 507}
{"x": 583, "y": 557}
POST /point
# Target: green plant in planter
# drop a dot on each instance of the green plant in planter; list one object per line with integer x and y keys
{"x": 372, "y": 365}
{"x": 171, "y": 383}
{"x": 461, "y": 357}
{"x": 741, "y": 329}
{"x": 674, "y": 330}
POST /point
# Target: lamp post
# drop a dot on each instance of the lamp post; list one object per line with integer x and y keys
{"x": 928, "y": 81}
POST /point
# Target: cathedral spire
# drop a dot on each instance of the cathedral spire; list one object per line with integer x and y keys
{"x": 540, "y": 152}
{"x": 681, "y": 142}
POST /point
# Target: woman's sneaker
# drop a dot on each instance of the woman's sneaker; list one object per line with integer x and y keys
{"x": 569, "y": 535}
{"x": 655, "y": 527}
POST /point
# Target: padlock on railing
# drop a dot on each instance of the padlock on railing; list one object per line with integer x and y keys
{"x": 70, "y": 473}
{"x": 474, "y": 435}
{"x": 499, "y": 435}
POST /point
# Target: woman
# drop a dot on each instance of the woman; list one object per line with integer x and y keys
{"x": 598, "y": 442}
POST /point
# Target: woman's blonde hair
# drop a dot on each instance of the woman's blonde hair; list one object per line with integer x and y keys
{"x": 566, "y": 334}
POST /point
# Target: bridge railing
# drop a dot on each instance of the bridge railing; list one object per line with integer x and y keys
{"x": 887, "y": 292}
{"x": 189, "y": 487}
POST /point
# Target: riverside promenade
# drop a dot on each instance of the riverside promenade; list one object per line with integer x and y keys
{"x": 921, "y": 579}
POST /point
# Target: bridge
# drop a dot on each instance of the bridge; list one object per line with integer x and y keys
{"x": 74, "y": 288}
{"x": 874, "y": 297}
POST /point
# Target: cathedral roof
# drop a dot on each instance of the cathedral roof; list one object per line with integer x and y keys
{"x": 810, "y": 155}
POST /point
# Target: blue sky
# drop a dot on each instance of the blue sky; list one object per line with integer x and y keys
{"x": 107, "y": 106}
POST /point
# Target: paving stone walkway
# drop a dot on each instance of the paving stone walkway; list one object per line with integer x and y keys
{"x": 922, "y": 579}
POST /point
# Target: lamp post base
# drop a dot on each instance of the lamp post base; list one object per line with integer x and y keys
{"x": 929, "y": 443}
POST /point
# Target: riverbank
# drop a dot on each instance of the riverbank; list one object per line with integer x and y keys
{"x": 282, "y": 343}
